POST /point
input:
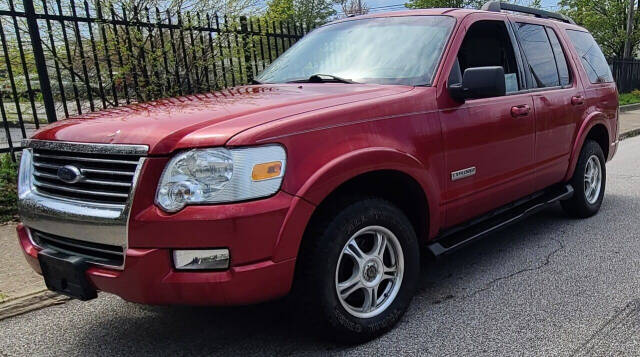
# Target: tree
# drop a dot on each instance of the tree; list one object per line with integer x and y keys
{"x": 629, "y": 32}
{"x": 223, "y": 7}
{"x": 607, "y": 22}
{"x": 312, "y": 12}
{"x": 354, "y": 7}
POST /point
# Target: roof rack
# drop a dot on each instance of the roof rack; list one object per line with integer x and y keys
{"x": 497, "y": 6}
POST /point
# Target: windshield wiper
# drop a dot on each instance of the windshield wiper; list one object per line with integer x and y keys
{"x": 323, "y": 78}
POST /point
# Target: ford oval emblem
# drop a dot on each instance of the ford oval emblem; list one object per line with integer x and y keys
{"x": 69, "y": 174}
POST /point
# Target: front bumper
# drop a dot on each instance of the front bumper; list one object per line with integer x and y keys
{"x": 150, "y": 279}
{"x": 262, "y": 237}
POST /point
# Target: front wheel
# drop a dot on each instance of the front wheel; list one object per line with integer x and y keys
{"x": 361, "y": 269}
{"x": 588, "y": 181}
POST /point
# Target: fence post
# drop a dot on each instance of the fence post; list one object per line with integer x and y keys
{"x": 41, "y": 64}
{"x": 246, "y": 48}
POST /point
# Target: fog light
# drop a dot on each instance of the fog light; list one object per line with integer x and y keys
{"x": 210, "y": 259}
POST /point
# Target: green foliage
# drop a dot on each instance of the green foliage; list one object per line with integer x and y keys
{"x": 630, "y": 98}
{"x": 606, "y": 20}
{"x": 313, "y": 12}
{"x": 8, "y": 188}
{"x": 280, "y": 9}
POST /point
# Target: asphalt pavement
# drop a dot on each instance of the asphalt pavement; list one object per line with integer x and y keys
{"x": 549, "y": 285}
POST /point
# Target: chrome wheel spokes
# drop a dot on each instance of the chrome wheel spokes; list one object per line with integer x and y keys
{"x": 592, "y": 179}
{"x": 369, "y": 271}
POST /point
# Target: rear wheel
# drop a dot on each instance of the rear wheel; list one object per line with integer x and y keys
{"x": 360, "y": 270}
{"x": 588, "y": 181}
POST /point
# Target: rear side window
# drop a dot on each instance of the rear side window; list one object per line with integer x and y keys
{"x": 591, "y": 57}
{"x": 561, "y": 60}
{"x": 537, "y": 49}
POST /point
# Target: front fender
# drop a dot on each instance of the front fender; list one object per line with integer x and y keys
{"x": 340, "y": 170}
{"x": 592, "y": 120}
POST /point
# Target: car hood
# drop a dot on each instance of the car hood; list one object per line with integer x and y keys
{"x": 169, "y": 124}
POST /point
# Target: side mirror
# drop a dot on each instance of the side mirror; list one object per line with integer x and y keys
{"x": 480, "y": 82}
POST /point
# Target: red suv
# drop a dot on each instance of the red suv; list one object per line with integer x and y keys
{"x": 371, "y": 138}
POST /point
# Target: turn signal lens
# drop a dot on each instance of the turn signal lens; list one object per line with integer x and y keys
{"x": 266, "y": 171}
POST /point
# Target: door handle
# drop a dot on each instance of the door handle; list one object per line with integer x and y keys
{"x": 520, "y": 110}
{"x": 577, "y": 100}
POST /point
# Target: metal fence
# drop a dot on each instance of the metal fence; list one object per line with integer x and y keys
{"x": 626, "y": 73}
{"x": 60, "y": 60}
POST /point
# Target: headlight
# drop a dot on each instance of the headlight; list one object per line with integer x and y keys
{"x": 217, "y": 175}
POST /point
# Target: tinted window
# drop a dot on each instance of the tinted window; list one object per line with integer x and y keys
{"x": 591, "y": 56}
{"x": 537, "y": 48}
{"x": 561, "y": 61}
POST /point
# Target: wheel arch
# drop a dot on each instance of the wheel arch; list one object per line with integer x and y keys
{"x": 397, "y": 187}
{"x": 595, "y": 128}
{"x": 380, "y": 172}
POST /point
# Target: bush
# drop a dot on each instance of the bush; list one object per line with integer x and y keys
{"x": 630, "y": 98}
{"x": 8, "y": 189}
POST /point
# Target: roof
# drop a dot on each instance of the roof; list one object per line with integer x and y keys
{"x": 455, "y": 12}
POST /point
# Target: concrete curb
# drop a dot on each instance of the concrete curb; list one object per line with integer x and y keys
{"x": 629, "y": 134}
{"x": 629, "y": 107}
{"x": 30, "y": 302}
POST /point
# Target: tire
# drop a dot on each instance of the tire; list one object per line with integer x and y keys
{"x": 588, "y": 195}
{"x": 325, "y": 263}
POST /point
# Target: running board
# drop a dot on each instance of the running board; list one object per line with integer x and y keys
{"x": 459, "y": 237}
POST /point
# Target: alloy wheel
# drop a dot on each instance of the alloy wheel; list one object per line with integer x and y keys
{"x": 369, "y": 272}
{"x": 592, "y": 179}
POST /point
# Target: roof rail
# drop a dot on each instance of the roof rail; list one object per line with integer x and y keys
{"x": 497, "y": 6}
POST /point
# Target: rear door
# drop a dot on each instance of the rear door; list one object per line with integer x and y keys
{"x": 558, "y": 98}
{"x": 488, "y": 142}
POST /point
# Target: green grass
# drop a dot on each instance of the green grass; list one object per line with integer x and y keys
{"x": 630, "y": 98}
{"x": 3, "y": 297}
{"x": 8, "y": 189}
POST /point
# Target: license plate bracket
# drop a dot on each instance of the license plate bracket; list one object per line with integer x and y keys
{"x": 66, "y": 274}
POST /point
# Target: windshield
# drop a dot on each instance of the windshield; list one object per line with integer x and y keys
{"x": 390, "y": 50}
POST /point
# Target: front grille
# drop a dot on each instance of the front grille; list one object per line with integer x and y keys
{"x": 106, "y": 178}
{"x": 103, "y": 254}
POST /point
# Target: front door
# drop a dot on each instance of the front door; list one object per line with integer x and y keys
{"x": 489, "y": 142}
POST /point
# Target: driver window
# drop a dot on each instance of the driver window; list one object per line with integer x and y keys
{"x": 487, "y": 43}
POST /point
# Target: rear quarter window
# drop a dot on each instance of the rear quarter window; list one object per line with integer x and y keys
{"x": 591, "y": 57}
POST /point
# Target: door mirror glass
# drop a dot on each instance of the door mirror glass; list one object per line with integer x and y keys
{"x": 480, "y": 82}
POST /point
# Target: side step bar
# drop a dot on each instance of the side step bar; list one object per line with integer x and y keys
{"x": 459, "y": 237}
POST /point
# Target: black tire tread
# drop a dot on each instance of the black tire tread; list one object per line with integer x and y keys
{"x": 577, "y": 206}
{"x": 312, "y": 263}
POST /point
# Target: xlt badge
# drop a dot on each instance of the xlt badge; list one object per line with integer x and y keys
{"x": 460, "y": 174}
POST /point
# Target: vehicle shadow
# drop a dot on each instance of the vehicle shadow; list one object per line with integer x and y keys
{"x": 273, "y": 328}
